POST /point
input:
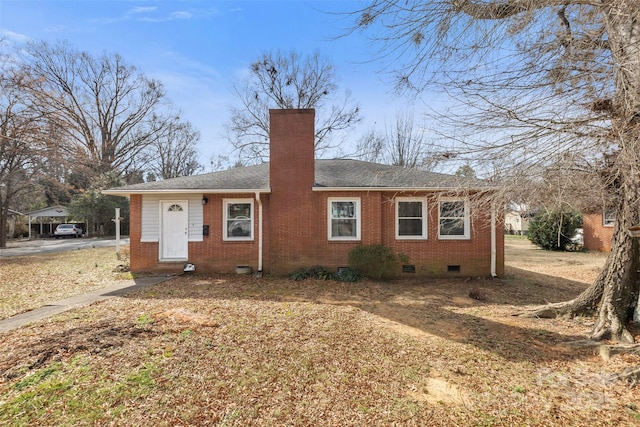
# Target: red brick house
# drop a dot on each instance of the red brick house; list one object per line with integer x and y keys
{"x": 598, "y": 230}
{"x": 298, "y": 212}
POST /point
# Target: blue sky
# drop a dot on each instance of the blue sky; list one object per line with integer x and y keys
{"x": 199, "y": 48}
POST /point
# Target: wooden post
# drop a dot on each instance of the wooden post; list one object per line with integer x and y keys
{"x": 117, "y": 220}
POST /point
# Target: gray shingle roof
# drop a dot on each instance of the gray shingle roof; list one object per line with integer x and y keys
{"x": 336, "y": 173}
{"x": 359, "y": 174}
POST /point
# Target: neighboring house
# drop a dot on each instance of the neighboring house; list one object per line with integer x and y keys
{"x": 296, "y": 212}
{"x": 516, "y": 220}
{"x": 598, "y": 230}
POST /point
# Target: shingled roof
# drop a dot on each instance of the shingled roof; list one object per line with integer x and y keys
{"x": 329, "y": 174}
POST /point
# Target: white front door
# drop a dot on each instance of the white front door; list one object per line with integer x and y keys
{"x": 174, "y": 241}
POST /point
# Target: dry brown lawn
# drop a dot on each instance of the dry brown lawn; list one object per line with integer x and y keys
{"x": 33, "y": 281}
{"x": 242, "y": 351}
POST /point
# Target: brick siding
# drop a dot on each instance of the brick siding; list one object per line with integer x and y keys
{"x": 597, "y": 236}
{"x": 295, "y": 233}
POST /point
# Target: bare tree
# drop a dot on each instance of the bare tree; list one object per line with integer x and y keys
{"x": 101, "y": 104}
{"x": 105, "y": 120}
{"x": 402, "y": 144}
{"x": 174, "y": 152}
{"x": 370, "y": 147}
{"x": 466, "y": 171}
{"x": 566, "y": 185}
{"x": 535, "y": 79}
{"x": 21, "y": 140}
{"x": 288, "y": 82}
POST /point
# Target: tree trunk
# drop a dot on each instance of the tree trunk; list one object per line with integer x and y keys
{"x": 614, "y": 294}
{"x": 620, "y": 279}
{"x": 4, "y": 210}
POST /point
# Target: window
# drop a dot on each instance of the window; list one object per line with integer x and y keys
{"x": 175, "y": 208}
{"x": 238, "y": 219}
{"x": 609, "y": 217}
{"x": 344, "y": 219}
{"x": 453, "y": 222}
{"x": 411, "y": 216}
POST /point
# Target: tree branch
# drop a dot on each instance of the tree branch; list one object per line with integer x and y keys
{"x": 501, "y": 10}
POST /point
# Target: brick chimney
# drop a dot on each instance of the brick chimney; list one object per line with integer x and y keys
{"x": 293, "y": 207}
{"x": 292, "y": 153}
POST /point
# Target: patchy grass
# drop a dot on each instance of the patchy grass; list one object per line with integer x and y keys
{"x": 33, "y": 281}
{"x": 240, "y": 351}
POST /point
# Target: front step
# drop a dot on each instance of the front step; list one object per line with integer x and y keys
{"x": 170, "y": 267}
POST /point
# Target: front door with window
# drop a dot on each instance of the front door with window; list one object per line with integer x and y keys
{"x": 175, "y": 231}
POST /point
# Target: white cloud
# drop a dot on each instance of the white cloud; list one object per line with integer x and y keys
{"x": 171, "y": 16}
{"x": 153, "y": 19}
{"x": 142, "y": 9}
{"x": 15, "y": 37}
{"x": 57, "y": 29}
{"x": 181, "y": 15}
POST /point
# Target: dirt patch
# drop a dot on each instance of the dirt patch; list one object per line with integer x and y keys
{"x": 441, "y": 391}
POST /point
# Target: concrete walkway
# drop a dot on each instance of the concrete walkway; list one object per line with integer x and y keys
{"x": 77, "y": 301}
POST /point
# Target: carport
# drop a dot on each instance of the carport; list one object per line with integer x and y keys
{"x": 48, "y": 217}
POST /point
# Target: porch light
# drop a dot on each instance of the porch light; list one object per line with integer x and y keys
{"x": 204, "y": 200}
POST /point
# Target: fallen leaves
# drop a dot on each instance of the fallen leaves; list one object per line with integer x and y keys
{"x": 33, "y": 281}
{"x": 236, "y": 350}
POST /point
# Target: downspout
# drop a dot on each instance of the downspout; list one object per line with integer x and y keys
{"x": 493, "y": 240}
{"x": 259, "y": 232}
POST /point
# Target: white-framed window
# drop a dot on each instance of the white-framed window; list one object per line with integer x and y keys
{"x": 609, "y": 217}
{"x": 453, "y": 219}
{"x": 237, "y": 223}
{"x": 344, "y": 218}
{"x": 411, "y": 218}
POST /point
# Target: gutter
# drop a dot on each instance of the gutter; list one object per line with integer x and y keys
{"x": 407, "y": 189}
{"x": 493, "y": 240}
{"x": 260, "y": 232}
{"x": 127, "y": 193}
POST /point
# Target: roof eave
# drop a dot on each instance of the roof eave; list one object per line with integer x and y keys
{"x": 395, "y": 189}
{"x": 126, "y": 193}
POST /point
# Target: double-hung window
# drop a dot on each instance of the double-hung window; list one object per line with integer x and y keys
{"x": 344, "y": 218}
{"x": 609, "y": 217}
{"x": 237, "y": 219}
{"x": 411, "y": 218}
{"x": 453, "y": 220}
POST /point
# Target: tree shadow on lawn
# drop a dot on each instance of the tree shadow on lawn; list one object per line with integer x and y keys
{"x": 421, "y": 307}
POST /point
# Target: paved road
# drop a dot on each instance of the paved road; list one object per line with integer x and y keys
{"x": 45, "y": 246}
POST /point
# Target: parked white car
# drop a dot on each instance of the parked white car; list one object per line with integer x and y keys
{"x": 576, "y": 243}
{"x": 578, "y": 238}
{"x": 68, "y": 230}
